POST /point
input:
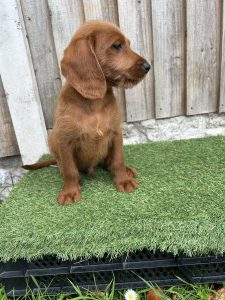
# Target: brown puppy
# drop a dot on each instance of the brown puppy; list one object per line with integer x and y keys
{"x": 87, "y": 127}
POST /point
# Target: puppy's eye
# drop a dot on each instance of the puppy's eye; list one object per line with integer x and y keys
{"x": 117, "y": 46}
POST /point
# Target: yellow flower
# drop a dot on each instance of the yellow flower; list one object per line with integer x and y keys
{"x": 131, "y": 295}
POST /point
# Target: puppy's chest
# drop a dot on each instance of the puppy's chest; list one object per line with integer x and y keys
{"x": 97, "y": 127}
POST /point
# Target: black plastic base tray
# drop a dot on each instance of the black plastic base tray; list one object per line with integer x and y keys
{"x": 162, "y": 269}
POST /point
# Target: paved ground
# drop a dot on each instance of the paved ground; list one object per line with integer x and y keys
{"x": 10, "y": 173}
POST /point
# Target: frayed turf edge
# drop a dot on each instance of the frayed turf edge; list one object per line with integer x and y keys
{"x": 207, "y": 244}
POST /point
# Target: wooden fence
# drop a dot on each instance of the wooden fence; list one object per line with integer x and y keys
{"x": 183, "y": 39}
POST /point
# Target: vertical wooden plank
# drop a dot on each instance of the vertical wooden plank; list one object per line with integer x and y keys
{"x": 19, "y": 83}
{"x": 101, "y": 10}
{"x": 66, "y": 18}
{"x": 8, "y": 142}
{"x": 93, "y": 10}
{"x": 203, "y": 35}
{"x": 105, "y": 10}
{"x": 168, "y": 37}
{"x": 110, "y": 11}
{"x": 38, "y": 28}
{"x": 135, "y": 22}
{"x": 222, "y": 80}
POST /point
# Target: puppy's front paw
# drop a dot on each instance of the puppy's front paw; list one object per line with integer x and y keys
{"x": 131, "y": 171}
{"x": 126, "y": 184}
{"x": 69, "y": 195}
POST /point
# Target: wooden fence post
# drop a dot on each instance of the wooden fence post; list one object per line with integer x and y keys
{"x": 20, "y": 84}
{"x": 222, "y": 66}
{"x": 168, "y": 36}
{"x": 203, "y": 45}
{"x": 38, "y": 28}
{"x": 8, "y": 143}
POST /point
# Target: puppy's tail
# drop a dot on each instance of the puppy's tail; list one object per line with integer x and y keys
{"x": 39, "y": 165}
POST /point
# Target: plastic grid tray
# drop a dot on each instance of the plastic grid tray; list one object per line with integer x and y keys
{"x": 159, "y": 268}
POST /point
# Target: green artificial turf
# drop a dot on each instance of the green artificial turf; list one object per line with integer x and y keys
{"x": 179, "y": 206}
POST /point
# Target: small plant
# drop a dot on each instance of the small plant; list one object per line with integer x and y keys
{"x": 2, "y": 294}
{"x": 131, "y": 295}
{"x": 185, "y": 292}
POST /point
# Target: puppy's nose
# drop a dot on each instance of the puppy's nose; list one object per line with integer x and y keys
{"x": 146, "y": 67}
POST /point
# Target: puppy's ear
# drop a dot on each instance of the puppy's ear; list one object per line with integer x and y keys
{"x": 82, "y": 69}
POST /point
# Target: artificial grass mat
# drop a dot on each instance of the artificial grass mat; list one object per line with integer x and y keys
{"x": 178, "y": 207}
